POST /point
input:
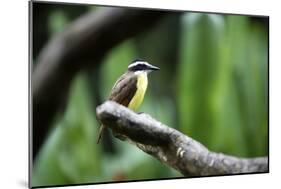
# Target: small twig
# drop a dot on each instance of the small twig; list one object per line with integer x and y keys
{"x": 171, "y": 146}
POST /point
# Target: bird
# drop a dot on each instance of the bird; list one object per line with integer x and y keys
{"x": 129, "y": 90}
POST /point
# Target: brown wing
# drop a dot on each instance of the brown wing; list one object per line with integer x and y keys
{"x": 124, "y": 89}
{"x": 122, "y": 93}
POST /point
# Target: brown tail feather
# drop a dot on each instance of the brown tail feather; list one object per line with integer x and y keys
{"x": 100, "y": 133}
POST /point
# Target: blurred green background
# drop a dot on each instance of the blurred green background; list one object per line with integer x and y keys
{"x": 212, "y": 86}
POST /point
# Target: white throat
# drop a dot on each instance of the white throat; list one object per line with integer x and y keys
{"x": 139, "y": 72}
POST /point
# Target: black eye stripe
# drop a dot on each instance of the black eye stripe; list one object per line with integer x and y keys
{"x": 138, "y": 67}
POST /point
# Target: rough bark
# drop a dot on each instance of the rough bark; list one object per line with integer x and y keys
{"x": 172, "y": 147}
{"x": 88, "y": 38}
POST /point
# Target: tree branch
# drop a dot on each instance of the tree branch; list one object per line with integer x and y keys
{"x": 171, "y": 147}
{"x": 88, "y": 38}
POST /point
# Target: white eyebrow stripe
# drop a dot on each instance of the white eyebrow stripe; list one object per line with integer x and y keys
{"x": 138, "y": 62}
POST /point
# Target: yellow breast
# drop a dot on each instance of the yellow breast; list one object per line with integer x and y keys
{"x": 140, "y": 92}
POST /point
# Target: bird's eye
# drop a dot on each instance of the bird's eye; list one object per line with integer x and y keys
{"x": 141, "y": 67}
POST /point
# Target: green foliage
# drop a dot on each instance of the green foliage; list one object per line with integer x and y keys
{"x": 212, "y": 86}
{"x": 57, "y": 21}
{"x": 70, "y": 154}
{"x": 222, "y": 83}
{"x": 197, "y": 73}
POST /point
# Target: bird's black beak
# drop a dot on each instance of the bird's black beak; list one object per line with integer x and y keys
{"x": 153, "y": 68}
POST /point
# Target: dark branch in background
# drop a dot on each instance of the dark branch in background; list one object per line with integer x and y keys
{"x": 41, "y": 15}
{"x": 88, "y": 38}
{"x": 171, "y": 147}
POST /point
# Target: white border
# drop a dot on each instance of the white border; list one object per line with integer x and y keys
{"x": 14, "y": 92}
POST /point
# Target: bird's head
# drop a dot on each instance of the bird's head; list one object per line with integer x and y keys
{"x": 141, "y": 66}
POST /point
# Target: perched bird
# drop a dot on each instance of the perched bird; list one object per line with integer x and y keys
{"x": 130, "y": 88}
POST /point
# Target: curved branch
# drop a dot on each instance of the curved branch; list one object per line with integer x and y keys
{"x": 88, "y": 38}
{"x": 172, "y": 147}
